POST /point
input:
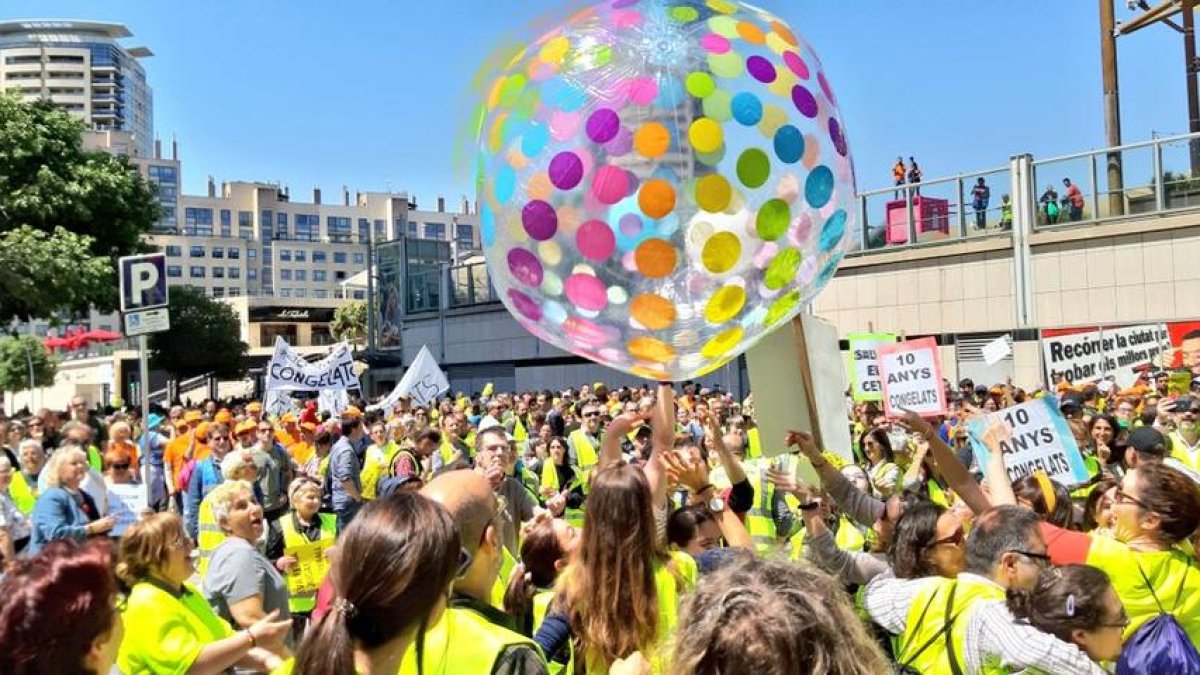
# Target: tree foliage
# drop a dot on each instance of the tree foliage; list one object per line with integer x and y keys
{"x": 49, "y": 181}
{"x": 204, "y": 338}
{"x": 350, "y": 322}
{"x": 41, "y": 272}
{"x": 16, "y": 354}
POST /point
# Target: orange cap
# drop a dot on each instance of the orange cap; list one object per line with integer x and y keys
{"x": 308, "y": 426}
{"x": 352, "y": 413}
{"x": 223, "y": 416}
{"x": 202, "y": 431}
{"x": 193, "y": 416}
{"x": 288, "y": 418}
{"x": 247, "y": 426}
{"x": 254, "y": 406}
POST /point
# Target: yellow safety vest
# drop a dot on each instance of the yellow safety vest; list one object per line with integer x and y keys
{"x": 1174, "y": 573}
{"x": 759, "y": 522}
{"x": 1179, "y": 451}
{"x": 585, "y": 451}
{"x": 942, "y": 601}
{"x": 848, "y": 538}
{"x": 209, "y": 536}
{"x": 550, "y": 480}
{"x": 311, "y": 564}
{"x": 500, "y": 585}
{"x": 520, "y": 434}
{"x": 24, "y": 495}
{"x": 323, "y": 468}
{"x": 878, "y": 474}
{"x": 448, "y": 449}
{"x": 753, "y": 444}
{"x": 541, "y": 607}
{"x": 373, "y": 467}
{"x": 462, "y": 641}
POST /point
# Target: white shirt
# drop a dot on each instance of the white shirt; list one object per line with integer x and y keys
{"x": 12, "y": 519}
{"x": 991, "y": 629}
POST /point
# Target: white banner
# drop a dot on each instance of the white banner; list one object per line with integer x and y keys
{"x": 422, "y": 382}
{"x": 1117, "y": 352}
{"x": 864, "y": 384}
{"x": 126, "y": 501}
{"x": 279, "y": 402}
{"x": 289, "y": 371}
{"x": 333, "y": 401}
{"x": 997, "y": 350}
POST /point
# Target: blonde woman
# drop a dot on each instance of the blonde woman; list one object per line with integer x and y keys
{"x": 63, "y": 510}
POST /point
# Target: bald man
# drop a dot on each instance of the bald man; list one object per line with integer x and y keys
{"x": 487, "y": 635}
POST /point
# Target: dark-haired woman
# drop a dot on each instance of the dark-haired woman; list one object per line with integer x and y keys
{"x": 1077, "y": 604}
{"x": 57, "y": 612}
{"x": 885, "y": 475}
{"x": 391, "y": 576}
{"x": 546, "y": 547}
{"x": 1047, "y": 498}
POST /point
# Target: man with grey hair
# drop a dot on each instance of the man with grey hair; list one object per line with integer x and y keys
{"x": 495, "y": 411}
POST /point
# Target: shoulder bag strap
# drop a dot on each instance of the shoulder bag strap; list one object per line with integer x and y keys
{"x": 1149, "y": 586}
{"x": 955, "y": 668}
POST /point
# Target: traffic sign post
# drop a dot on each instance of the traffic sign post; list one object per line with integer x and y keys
{"x": 144, "y": 296}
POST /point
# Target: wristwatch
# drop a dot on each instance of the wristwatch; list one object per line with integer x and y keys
{"x": 716, "y": 505}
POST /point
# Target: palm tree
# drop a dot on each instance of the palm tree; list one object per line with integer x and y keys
{"x": 350, "y": 323}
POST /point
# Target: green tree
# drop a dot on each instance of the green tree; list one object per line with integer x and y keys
{"x": 49, "y": 181}
{"x": 350, "y": 323}
{"x": 16, "y": 355}
{"x": 203, "y": 338}
{"x": 40, "y": 271}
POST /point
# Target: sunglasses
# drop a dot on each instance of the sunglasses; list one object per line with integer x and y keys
{"x": 1122, "y": 498}
{"x": 955, "y": 539}
{"x": 123, "y": 466}
{"x": 591, "y": 414}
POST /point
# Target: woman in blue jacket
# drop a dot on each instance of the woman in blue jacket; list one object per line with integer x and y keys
{"x": 63, "y": 511}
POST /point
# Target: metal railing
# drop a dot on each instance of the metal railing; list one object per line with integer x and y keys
{"x": 463, "y": 286}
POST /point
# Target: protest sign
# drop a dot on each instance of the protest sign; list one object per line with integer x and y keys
{"x": 333, "y": 401}
{"x": 1041, "y": 441}
{"x": 309, "y": 571}
{"x": 278, "y": 402}
{"x": 864, "y": 376}
{"x": 995, "y": 351}
{"x": 288, "y": 370}
{"x": 126, "y": 501}
{"x": 422, "y": 382}
{"x": 911, "y": 373}
{"x": 1090, "y": 354}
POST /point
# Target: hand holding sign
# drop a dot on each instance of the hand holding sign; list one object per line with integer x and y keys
{"x": 1038, "y": 439}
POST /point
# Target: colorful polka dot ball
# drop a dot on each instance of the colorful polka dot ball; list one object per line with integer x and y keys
{"x": 662, "y": 183}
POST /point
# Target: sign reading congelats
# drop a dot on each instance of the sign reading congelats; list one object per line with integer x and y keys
{"x": 1040, "y": 440}
{"x": 1123, "y": 353}
{"x": 911, "y": 373}
{"x": 288, "y": 370}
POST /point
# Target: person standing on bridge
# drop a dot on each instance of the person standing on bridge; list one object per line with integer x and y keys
{"x": 1074, "y": 199}
{"x": 898, "y": 173}
{"x": 981, "y": 194}
{"x": 914, "y": 176}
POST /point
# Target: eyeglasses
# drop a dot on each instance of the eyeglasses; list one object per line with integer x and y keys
{"x": 591, "y": 414}
{"x": 123, "y": 466}
{"x": 1038, "y": 559}
{"x": 955, "y": 539}
{"x": 1122, "y": 622}
{"x": 1122, "y": 498}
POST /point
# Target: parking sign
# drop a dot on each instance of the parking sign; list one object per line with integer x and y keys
{"x": 143, "y": 280}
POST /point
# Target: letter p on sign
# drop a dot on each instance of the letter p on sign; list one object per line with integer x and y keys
{"x": 143, "y": 282}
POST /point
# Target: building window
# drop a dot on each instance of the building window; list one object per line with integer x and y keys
{"x": 307, "y": 227}
{"x": 380, "y": 235}
{"x": 339, "y": 276}
{"x": 234, "y": 291}
{"x": 359, "y": 295}
{"x": 251, "y": 273}
{"x": 285, "y": 275}
{"x": 320, "y": 293}
{"x": 266, "y": 219}
{"x": 364, "y": 230}
{"x": 299, "y": 255}
{"x": 245, "y": 225}
{"x": 339, "y": 258}
{"x": 218, "y": 272}
{"x": 197, "y": 251}
{"x": 435, "y": 230}
{"x": 218, "y": 292}
{"x": 359, "y": 258}
{"x": 174, "y": 251}
{"x": 174, "y": 271}
{"x": 338, "y": 228}
{"x": 412, "y": 228}
{"x": 285, "y": 255}
{"x": 465, "y": 234}
{"x": 300, "y": 293}
{"x": 234, "y": 253}
{"x": 318, "y": 275}
{"x": 251, "y": 254}
{"x": 226, "y": 223}
{"x": 301, "y": 275}
{"x": 198, "y": 222}
{"x": 218, "y": 252}
{"x": 235, "y": 273}
{"x": 196, "y": 272}
{"x": 285, "y": 292}
{"x": 319, "y": 257}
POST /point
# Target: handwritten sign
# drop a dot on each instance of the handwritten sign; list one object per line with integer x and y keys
{"x": 422, "y": 382}
{"x": 126, "y": 501}
{"x": 289, "y": 370}
{"x": 997, "y": 350}
{"x": 1041, "y": 441}
{"x": 911, "y": 373}
{"x": 310, "y": 569}
{"x": 1088, "y": 356}
{"x": 864, "y": 375}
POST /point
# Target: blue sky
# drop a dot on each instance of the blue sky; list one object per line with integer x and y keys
{"x": 372, "y": 93}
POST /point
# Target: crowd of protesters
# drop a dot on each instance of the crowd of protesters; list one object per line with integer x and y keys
{"x": 602, "y": 530}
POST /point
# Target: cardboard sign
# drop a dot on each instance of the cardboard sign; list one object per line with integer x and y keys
{"x": 290, "y": 371}
{"x": 995, "y": 351}
{"x": 912, "y": 378}
{"x": 310, "y": 568}
{"x": 1041, "y": 441}
{"x": 125, "y": 502}
{"x": 864, "y": 376}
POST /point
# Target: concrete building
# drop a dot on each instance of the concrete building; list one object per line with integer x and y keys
{"x": 82, "y": 67}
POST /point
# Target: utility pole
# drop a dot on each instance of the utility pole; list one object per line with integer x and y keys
{"x": 1193, "y": 93}
{"x": 1112, "y": 106}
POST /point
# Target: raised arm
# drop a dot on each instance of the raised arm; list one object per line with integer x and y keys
{"x": 712, "y": 431}
{"x": 610, "y": 445}
{"x": 956, "y": 475}
{"x": 999, "y": 486}
{"x": 861, "y": 507}
{"x": 662, "y": 441}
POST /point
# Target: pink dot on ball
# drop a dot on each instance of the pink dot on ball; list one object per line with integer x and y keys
{"x": 540, "y": 220}
{"x": 525, "y": 305}
{"x": 643, "y": 90}
{"x": 586, "y": 292}
{"x": 715, "y": 44}
{"x": 595, "y": 240}
{"x": 603, "y": 125}
{"x": 610, "y": 184}
{"x": 566, "y": 170}
{"x": 563, "y": 125}
{"x": 796, "y": 64}
{"x": 525, "y": 267}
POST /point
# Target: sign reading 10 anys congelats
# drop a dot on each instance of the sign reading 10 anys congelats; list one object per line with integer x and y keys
{"x": 1040, "y": 440}
{"x": 911, "y": 373}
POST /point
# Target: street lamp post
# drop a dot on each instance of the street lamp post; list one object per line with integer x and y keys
{"x": 1112, "y": 106}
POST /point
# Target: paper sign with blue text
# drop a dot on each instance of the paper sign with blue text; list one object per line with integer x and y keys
{"x": 911, "y": 374}
{"x": 1041, "y": 441}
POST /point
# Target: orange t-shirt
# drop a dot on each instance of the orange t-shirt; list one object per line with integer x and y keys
{"x": 285, "y": 439}
{"x": 301, "y": 452}
{"x": 174, "y": 453}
